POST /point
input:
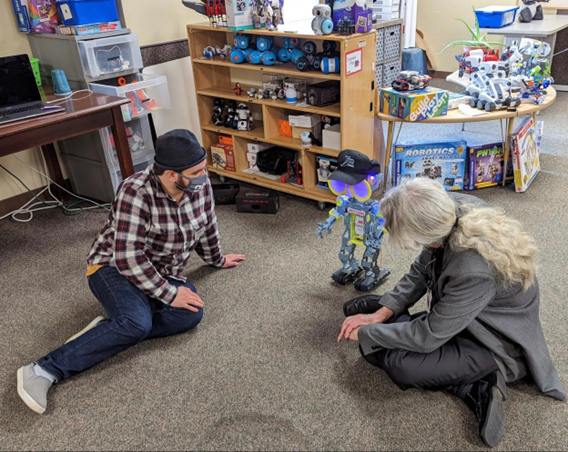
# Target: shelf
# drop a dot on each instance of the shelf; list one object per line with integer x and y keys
{"x": 318, "y": 194}
{"x": 257, "y": 132}
{"x": 296, "y": 143}
{"x": 228, "y": 93}
{"x": 281, "y": 68}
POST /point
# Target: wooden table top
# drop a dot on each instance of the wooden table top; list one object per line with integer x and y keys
{"x": 81, "y": 104}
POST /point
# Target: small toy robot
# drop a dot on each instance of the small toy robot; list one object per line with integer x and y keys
{"x": 244, "y": 118}
{"x": 529, "y": 11}
{"x": 237, "y": 89}
{"x": 430, "y": 169}
{"x": 322, "y": 24}
{"x": 411, "y": 80}
{"x": 353, "y": 182}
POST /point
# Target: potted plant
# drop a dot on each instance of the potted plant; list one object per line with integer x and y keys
{"x": 477, "y": 41}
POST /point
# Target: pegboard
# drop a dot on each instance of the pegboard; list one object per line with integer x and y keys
{"x": 392, "y": 42}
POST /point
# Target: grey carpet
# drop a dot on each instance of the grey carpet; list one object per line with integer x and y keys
{"x": 263, "y": 370}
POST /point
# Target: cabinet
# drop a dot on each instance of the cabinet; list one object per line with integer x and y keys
{"x": 215, "y": 77}
{"x": 389, "y": 51}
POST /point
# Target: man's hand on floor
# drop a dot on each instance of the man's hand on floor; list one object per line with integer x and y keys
{"x": 187, "y": 299}
{"x": 232, "y": 260}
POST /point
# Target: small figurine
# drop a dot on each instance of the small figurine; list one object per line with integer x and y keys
{"x": 224, "y": 52}
{"x": 353, "y": 182}
{"x": 251, "y": 92}
{"x": 244, "y": 118}
{"x": 237, "y": 89}
{"x": 322, "y": 24}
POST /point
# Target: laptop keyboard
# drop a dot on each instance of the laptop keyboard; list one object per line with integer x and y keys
{"x": 21, "y": 109}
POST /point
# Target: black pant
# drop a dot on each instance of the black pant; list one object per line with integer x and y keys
{"x": 461, "y": 360}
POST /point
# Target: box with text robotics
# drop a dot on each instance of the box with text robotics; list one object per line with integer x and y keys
{"x": 441, "y": 161}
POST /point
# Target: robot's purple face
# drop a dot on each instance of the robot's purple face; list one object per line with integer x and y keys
{"x": 373, "y": 181}
{"x": 337, "y": 187}
{"x": 361, "y": 191}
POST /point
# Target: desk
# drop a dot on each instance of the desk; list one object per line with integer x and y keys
{"x": 85, "y": 113}
{"x": 454, "y": 116}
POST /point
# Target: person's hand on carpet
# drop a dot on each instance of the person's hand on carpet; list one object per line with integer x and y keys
{"x": 232, "y": 260}
{"x": 187, "y": 299}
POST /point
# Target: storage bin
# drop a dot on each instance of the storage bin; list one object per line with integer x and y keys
{"x": 379, "y": 75}
{"x": 390, "y": 72}
{"x": 81, "y": 12}
{"x": 496, "y": 16}
{"x": 139, "y": 140}
{"x": 386, "y": 2}
{"x": 96, "y": 180}
{"x": 392, "y": 42}
{"x": 146, "y": 93}
{"x": 380, "y": 45}
{"x": 106, "y": 56}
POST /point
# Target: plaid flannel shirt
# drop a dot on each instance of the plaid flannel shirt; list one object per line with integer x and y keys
{"x": 148, "y": 235}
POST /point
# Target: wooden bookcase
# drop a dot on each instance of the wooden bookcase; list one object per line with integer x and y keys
{"x": 216, "y": 77}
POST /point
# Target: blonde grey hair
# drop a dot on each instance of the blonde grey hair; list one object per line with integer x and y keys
{"x": 420, "y": 213}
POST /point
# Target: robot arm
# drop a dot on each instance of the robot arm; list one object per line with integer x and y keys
{"x": 334, "y": 214}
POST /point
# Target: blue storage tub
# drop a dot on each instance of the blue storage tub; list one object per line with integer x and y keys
{"x": 496, "y": 16}
{"x": 83, "y": 12}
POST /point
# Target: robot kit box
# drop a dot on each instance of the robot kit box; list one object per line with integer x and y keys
{"x": 223, "y": 157}
{"x": 526, "y": 154}
{"x": 441, "y": 161}
{"x": 485, "y": 166}
{"x": 414, "y": 105}
{"x": 325, "y": 166}
{"x": 239, "y": 15}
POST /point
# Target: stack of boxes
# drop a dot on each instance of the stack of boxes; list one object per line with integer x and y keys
{"x": 386, "y": 10}
{"x": 223, "y": 154}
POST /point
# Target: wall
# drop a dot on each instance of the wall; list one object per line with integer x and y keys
{"x": 436, "y": 19}
{"x": 11, "y": 43}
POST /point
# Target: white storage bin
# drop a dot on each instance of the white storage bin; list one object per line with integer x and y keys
{"x": 139, "y": 140}
{"x": 392, "y": 42}
{"x": 146, "y": 93}
{"x": 107, "y": 56}
{"x": 386, "y": 3}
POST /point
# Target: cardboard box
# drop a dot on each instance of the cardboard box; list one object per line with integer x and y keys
{"x": 441, "y": 161}
{"x": 316, "y": 130}
{"x": 257, "y": 146}
{"x": 526, "y": 154}
{"x": 35, "y": 16}
{"x": 251, "y": 158}
{"x": 304, "y": 120}
{"x": 225, "y": 139}
{"x": 331, "y": 137}
{"x": 485, "y": 166}
{"x": 324, "y": 167}
{"x": 414, "y": 105}
{"x": 239, "y": 15}
{"x": 457, "y": 99}
{"x": 223, "y": 157}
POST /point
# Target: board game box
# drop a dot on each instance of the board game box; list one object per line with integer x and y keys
{"x": 414, "y": 105}
{"x": 485, "y": 166}
{"x": 525, "y": 151}
{"x": 441, "y": 161}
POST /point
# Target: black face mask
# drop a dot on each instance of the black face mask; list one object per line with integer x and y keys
{"x": 194, "y": 185}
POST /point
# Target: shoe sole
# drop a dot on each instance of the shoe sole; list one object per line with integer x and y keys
{"x": 28, "y": 400}
{"x": 494, "y": 426}
{"x": 90, "y": 326}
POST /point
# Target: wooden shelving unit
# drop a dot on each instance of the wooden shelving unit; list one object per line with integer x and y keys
{"x": 216, "y": 78}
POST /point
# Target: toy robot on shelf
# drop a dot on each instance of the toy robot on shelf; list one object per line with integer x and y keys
{"x": 529, "y": 11}
{"x": 353, "y": 182}
{"x": 322, "y": 24}
{"x": 230, "y": 119}
{"x": 294, "y": 173}
{"x": 345, "y": 27}
{"x": 223, "y": 52}
{"x": 244, "y": 118}
{"x": 218, "y": 107}
{"x": 272, "y": 12}
{"x": 251, "y": 93}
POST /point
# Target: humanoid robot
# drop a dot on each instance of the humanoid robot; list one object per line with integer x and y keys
{"x": 353, "y": 182}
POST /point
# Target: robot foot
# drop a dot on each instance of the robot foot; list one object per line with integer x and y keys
{"x": 368, "y": 282}
{"x": 344, "y": 276}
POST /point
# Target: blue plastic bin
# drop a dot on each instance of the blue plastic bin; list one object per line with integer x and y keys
{"x": 82, "y": 12}
{"x": 496, "y": 16}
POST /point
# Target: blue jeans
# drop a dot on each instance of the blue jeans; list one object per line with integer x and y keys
{"x": 132, "y": 317}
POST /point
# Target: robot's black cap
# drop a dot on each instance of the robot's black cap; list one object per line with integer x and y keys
{"x": 354, "y": 167}
{"x": 178, "y": 150}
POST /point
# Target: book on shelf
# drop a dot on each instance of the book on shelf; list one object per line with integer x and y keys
{"x": 88, "y": 29}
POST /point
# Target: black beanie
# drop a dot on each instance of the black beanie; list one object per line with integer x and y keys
{"x": 178, "y": 150}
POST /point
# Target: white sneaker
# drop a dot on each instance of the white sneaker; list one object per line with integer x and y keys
{"x": 90, "y": 326}
{"x": 32, "y": 388}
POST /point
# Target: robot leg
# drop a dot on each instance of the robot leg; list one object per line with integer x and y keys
{"x": 351, "y": 267}
{"x": 373, "y": 275}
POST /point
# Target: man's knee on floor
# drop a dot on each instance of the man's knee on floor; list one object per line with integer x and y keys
{"x": 401, "y": 372}
{"x": 135, "y": 330}
{"x": 194, "y": 319}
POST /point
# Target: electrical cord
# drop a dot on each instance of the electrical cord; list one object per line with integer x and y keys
{"x": 70, "y": 96}
{"x": 28, "y": 208}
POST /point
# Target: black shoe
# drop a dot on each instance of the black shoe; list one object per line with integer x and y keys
{"x": 365, "y": 304}
{"x": 485, "y": 399}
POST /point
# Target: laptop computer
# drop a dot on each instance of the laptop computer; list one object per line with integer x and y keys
{"x": 19, "y": 94}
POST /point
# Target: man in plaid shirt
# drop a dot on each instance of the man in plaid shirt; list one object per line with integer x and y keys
{"x": 135, "y": 266}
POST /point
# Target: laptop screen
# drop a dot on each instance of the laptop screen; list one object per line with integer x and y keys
{"x": 17, "y": 81}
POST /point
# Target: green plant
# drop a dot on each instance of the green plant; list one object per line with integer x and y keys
{"x": 478, "y": 40}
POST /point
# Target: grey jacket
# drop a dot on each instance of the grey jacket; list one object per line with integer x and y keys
{"x": 505, "y": 320}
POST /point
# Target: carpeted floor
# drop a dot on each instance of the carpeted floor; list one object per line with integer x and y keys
{"x": 263, "y": 370}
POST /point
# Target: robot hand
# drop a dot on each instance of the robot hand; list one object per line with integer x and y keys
{"x": 322, "y": 227}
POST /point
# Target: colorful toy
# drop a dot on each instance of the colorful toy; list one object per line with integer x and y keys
{"x": 272, "y": 13}
{"x": 209, "y": 51}
{"x": 322, "y": 24}
{"x": 237, "y": 89}
{"x": 411, "y": 80}
{"x": 294, "y": 172}
{"x": 353, "y": 182}
{"x": 139, "y": 101}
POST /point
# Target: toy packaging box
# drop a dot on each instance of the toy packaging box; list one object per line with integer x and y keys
{"x": 414, "y": 105}
{"x": 223, "y": 157}
{"x": 239, "y": 14}
{"x": 324, "y": 167}
{"x": 525, "y": 151}
{"x": 36, "y": 16}
{"x": 485, "y": 166}
{"x": 441, "y": 161}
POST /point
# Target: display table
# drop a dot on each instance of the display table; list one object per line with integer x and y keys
{"x": 506, "y": 118}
